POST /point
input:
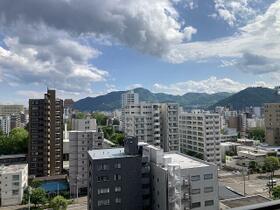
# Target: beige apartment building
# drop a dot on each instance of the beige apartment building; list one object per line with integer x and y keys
{"x": 272, "y": 123}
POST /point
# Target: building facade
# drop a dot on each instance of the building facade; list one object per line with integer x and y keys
{"x": 46, "y": 135}
{"x": 5, "y": 124}
{"x": 11, "y": 109}
{"x": 200, "y": 135}
{"x": 181, "y": 182}
{"x": 116, "y": 178}
{"x": 13, "y": 181}
{"x": 80, "y": 143}
{"x": 84, "y": 124}
{"x": 272, "y": 123}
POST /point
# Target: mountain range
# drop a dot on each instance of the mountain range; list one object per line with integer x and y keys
{"x": 112, "y": 100}
{"x": 252, "y": 96}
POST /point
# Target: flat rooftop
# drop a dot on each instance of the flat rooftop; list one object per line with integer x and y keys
{"x": 12, "y": 156}
{"x": 244, "y": 201}
{"x": 14, "y": 168}
{"x": 184, "y": 161}
{"x": 108, "y": 153}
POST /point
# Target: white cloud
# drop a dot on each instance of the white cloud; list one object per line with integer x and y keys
{"x": 42, "y": 55}
{"x": 133, "y": 86}
{"x": 210, "y": 85}
{"x": 149, "y": 26}
{"x": 254, "y": 49}
{"x": 237, "y": 12}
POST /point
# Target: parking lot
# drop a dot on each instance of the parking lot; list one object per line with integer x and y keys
{"x": 254, "y": 183}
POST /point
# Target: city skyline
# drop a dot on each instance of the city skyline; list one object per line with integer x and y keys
{"x": 170, "y": 46}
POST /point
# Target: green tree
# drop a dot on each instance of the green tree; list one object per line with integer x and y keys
{"x": 117, "y": 138}
{"x": 101, "y": 119}
{"x": 36, "y": 183}
{"x": 80, "y": 115}
{"x": 271, "y": 164}
{"x": 38, "y": 197}
{"x": 253, "y": 166}
{"x": 276, "y": 192}
{"x": 257, "y": 134}
{"x": 58, "y": 203}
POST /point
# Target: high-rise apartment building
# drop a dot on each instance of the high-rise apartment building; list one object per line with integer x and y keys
{"x": 11, "y": 109}
{"x": 13, "y": 181}
{"x": 181, "y": 182}
{"x": 129, "y": 98}
{"x": 200, "y": 135}
{"x": 143, "y": 121}
{"x": 272, "y": 123}
{"x": 80, "y": 143}
{"x": 5, "y": 124}
{"x": 119, "y": 178}
{"x": 46, "y": 135}
{"x": 170, "y": 127}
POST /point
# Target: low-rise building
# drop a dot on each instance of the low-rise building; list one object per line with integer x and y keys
{"x": 5, "y": 124}
{"x": 13, "y": 181}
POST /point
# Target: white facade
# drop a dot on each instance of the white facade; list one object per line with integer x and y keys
{"x": 80, "y": 143}
{"x": 13, "y": 181}
{"x": 130, "y": 98}
{"x": 200, "y": 134}
{"x": 154, "y": 123}
{"x": 84, "y": 124}
{"x": 255, "y": 123}
{"x": 181, "y": 182}
{"x": 5, "y": 124}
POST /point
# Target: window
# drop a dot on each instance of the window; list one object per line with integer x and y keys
{"x": 195, "y": 178}
{"x": 117, "y": 177}
{"x": 102, "y": 178}
{"x": 208, "y": 189}
{"x": 209, "y": 203}
{"x": 15, "y": 177}
{"x": 16, "y": 184}
{"x": 103, "y": 202}
{"x": 118, "y": 200}
{"x": 15, "y": 192}
{"x": 103, "y": 191}
{"x": 195, "y": 191}
{"x": 118, "y": 189}
{"x": 196, "y": 205}
{"x": 103, "y": 167}
{"x": 117, "y": 165}
{"x": 208, "y": 176}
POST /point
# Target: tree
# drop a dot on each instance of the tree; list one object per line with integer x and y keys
{"x": 257, "y": 134}
{"x": 101, "y": 119}
{"x": 36, "y": 183}
{"x": 38, "y": 197}
{"x": 253, "y": 166}
{"x": 58, "y": 203}
{"x": 276, "y": 192}
{"x": 271, "y": 164}
{"x": 80, "y": 115}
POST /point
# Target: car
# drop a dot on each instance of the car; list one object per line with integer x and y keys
{"x": 271, "y": 183}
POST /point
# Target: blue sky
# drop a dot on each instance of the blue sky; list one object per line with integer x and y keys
{"x": 87, "y": 47}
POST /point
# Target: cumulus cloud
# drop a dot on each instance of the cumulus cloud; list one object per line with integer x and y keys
{"x": 237, "y": 12}
{"x": 133, "y": 86}
{"x": 149, "y": 26}
{"x": 254, "y": 49}
{"x": 38, "y": 54}
{"x": 210, "y": 85}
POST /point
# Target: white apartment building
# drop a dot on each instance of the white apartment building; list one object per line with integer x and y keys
{"x": 13, "y": 181}
{"x": 180, "y": 182}
{"x": 84, "y": 124}
{"x": 130, "y": 98}
{"x": 200, "y": 135}
{"x": 170, "y": 127}
{"x": 80, "y": 143}
{"x": 143, "y": 121}
{"x": 154, "y": 123}
{"x": 5, "y": 124}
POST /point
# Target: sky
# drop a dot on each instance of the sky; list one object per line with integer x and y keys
{"x": 91, "y": 47}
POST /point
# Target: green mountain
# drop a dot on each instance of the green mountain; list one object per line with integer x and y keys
{"x": 112, "y": 101}
{"x": 253, "y": 96}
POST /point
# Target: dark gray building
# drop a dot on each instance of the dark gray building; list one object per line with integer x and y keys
{"x": 119, "y": 178}
{"x": 45, "y": 156}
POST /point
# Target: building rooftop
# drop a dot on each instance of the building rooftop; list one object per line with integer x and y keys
{"x": 184, "y": 161}
{"x": 230, "y": 144}
{"x": 108, "y": 153}
{"x": 12, "y": 156}
{"x": 14, "y": 168}
{"x": 244, "y": 201}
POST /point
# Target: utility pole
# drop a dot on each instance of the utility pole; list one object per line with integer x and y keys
{"x": 29, "y": 193}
